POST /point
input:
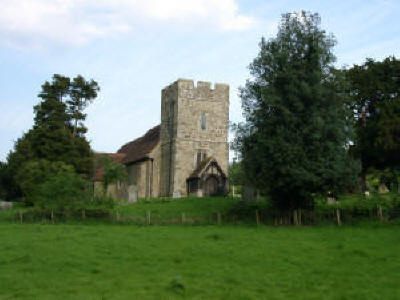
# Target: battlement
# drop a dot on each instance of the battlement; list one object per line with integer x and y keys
{"x": 190, "y": 85}
{"x": 202, "y": 89}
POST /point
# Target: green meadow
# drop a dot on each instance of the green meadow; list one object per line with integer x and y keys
{"x": 75, "y": 261}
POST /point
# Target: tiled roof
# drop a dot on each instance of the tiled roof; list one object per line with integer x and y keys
{"x": 98, "y": 170}
{"x": 141, "y": 147}
{"x": 204, "y": 165}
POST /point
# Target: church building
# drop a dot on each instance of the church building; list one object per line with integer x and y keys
{"x": 187, "y": 154}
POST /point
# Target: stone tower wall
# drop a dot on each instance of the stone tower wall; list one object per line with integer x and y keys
{"x": 183, "y": 105}
{"x": 169, "y": 111}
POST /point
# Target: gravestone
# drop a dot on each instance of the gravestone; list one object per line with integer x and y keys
{"x": 250, "y": 194}
{"x": 132, "y": 194}
{"x": 4, "y": 205}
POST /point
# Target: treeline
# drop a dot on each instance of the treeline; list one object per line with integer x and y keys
{"x": 311, "y": 129}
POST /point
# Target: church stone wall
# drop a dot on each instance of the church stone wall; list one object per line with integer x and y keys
{"x": 183, "y": 105}
{"x": 169, "y": 111}
{"x": 137, "y": 177}
{"x": 155, "y": 176}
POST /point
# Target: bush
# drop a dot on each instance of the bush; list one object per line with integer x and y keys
{"x": 34, "y": 173}
{"x": 64, "y": 191}
{"x": 105, "y": 202}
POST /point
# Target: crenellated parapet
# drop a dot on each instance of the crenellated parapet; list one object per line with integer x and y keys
{"x": 202, "y": 90}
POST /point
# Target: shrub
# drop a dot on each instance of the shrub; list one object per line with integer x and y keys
{"x": 64, "y": 191}
{"x": 102, "y": 202}
{"x": 34, "y": 173}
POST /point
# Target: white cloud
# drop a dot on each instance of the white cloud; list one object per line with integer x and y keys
{"x": 75, "y": 22}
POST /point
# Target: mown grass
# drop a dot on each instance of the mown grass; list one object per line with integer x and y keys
{"x": 198, "y": 262}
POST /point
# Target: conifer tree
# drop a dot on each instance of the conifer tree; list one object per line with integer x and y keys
{"x": 55, "y": 136}
{"x": 297, "y": 131}
{"x": 82, "y": 93}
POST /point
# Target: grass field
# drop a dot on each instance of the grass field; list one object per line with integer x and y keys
{"x": 162, "y": 211}
{"x": 198, "y": 262}
{"x": 196, "y": 209}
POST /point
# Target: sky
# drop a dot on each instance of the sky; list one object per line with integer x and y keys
{"x": 133, "y": 49}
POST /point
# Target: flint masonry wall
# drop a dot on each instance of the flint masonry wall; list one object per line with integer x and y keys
{"x": 182, "y": 107}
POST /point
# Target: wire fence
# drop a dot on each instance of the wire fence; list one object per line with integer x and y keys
{"x": 234, "y": 217}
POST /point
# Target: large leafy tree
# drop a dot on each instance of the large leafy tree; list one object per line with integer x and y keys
{"x": 375, "y": 98}
{"x": 55, "y": 136}
{"x": 295, "y": 138}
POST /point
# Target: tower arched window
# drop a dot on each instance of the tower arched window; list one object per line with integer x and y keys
{"x": 203, "y": 121}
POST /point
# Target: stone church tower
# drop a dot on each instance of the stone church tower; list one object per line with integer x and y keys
{"x": 194, "y": 134}
{"x": 187, "y": 154}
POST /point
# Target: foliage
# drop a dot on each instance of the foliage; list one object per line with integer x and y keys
{"x": 63, "y": 191}
{"x": 388, "y": 177}
{"x": 235, "y": 173}
{"x": 3, "y": 179}
{"x": 35, "y": 172}
{"x": 354, "y": 202}
{"x": 82, "y": 93}
{"x": 104, "y": 202}
{"x": 296, "y": 136}
{"x": 8, "y": 187}
{"x": 374, "y": 90}
{"x": 113, "y": 172}
{"x": 212, "y": 262}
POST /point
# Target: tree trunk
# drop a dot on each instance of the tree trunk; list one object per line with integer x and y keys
{"x": 339, "y": 222}
{"x": 299, "y": 215}
{"x": 363, "y": 178}
{"x": 75, "y": 127}
{"x": 295, "y": 221}
{"x": 380, "y": 213}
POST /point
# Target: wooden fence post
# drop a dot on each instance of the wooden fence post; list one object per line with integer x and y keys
{"x": 339, "y": 222}
{"x": 219, "y": 218}
{"x": 183, "y": 218}
{"x": 299, "y": 215}
{"x": 117, "y": 215}
{"x": 52, "y": 216}
{"x": 20, "y": 216}
{"x": 257, "y": 218}
{"x": 295, "y": 221}
{"x": 83, "y": 214}
{"x": 148, "y": 217}
{"x": 380, "y": 213}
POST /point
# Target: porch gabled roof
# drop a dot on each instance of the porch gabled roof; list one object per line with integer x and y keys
{"x": 203, "y": 166}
